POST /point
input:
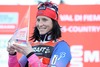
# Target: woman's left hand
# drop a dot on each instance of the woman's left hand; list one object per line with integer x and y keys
{"x": 23, "y": 49}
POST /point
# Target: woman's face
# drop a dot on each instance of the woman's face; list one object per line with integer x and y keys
{"x": 43, "y": 24}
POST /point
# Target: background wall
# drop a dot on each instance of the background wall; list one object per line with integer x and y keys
{"x": 80, "y": 28}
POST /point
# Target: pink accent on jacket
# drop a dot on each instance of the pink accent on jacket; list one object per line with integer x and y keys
{"x": 13, "y": 61}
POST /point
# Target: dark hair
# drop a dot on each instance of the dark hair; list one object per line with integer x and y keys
{"x": 55, "y": 32}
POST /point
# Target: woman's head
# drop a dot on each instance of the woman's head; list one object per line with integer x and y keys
{"x": 47, "y": 21}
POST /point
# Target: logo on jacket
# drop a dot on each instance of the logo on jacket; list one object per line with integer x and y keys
{"x": 42, "y": 50}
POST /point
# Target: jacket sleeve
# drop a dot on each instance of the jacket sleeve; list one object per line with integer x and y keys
{"x": 61, "y": 55}
{"x": 13, "y": 62}
{"x": 34, "y": 61}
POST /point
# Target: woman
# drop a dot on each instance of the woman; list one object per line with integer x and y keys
{"x": 47, "y": 50}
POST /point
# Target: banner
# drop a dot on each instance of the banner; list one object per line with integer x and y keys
{"x": 81, "y": 29}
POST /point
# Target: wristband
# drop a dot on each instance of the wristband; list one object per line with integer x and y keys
{"x": 29, "y": 54}
{"x": 13, "y": 54}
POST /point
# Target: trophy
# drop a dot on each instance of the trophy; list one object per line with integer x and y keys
{"x": 21, "y": 34}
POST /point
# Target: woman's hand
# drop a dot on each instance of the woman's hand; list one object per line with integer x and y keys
{"x": 23, "y": 49}
{"x": 10, "y": 49}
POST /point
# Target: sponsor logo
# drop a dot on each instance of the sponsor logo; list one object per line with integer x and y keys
{"x": 62, "y": 55}
{"x": 8, "y": 17}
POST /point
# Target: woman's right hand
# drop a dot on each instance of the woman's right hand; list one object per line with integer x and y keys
{"x": 10, "y": 49}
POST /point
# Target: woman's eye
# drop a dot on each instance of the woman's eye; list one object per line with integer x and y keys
{"x": 44, "y": 19}
{"x": 38, "y": 20}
